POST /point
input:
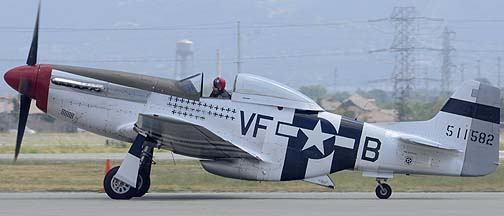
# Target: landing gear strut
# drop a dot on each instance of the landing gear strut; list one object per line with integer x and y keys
{"x": 383, "y": 190}
{"x": 145, "y": 170}
{"x": 118, "y": 189}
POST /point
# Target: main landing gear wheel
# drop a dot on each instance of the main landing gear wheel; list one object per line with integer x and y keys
{"x": 144, "y": 185}
{"x": 116, "y": 189}
{"x": 383, "y": 191}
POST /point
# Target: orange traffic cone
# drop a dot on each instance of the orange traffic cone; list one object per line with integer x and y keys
{"x": 108, "y": 166}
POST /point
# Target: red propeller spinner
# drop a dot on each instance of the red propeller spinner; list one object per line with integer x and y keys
{"x": 31, "y": 81}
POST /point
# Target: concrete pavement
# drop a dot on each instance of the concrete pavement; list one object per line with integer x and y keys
{"x": 257, "y": 204}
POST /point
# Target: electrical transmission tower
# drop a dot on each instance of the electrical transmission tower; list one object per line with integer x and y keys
{"x": 404, "y": 45}
{"x": 447, "y": 65}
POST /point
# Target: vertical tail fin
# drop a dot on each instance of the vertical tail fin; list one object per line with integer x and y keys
{"x": 470, "y": 118}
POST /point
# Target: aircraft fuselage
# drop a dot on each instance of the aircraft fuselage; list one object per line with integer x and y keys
{"x": 292, "y": 144}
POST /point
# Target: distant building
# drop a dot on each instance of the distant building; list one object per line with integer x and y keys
{"x": 359, "y": 107}
{"x": 384, "y": 115}
{"x": 42, "y": 122}
{"x": 330, "y": 104}
{"x": 37, "y": 120}
{"x": 360, "y": 104}
{"x": 6, "y": 104}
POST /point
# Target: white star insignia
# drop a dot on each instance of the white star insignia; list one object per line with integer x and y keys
{"x": 316, "y": 138}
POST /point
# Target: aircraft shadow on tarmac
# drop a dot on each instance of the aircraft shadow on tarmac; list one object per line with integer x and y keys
{"x": 252, "y": 196}
{"x": 186, "y": 197}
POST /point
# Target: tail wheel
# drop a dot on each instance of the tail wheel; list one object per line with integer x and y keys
{"x": 115, "y": 188}
{"x": 383, "y": 191}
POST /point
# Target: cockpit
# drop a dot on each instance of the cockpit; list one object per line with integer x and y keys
{"x": 249, "y": 88}
{"x": 256, "y": 89}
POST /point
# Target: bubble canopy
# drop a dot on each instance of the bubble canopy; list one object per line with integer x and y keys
{"x": 260, "y": 90}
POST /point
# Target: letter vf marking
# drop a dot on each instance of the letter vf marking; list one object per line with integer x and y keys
{"x": 246, "y": 126}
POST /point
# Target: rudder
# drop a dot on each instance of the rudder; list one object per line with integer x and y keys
{"x": 474, "y": 113}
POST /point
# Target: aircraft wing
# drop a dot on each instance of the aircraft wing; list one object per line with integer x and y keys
{"x": 185, "y": 138}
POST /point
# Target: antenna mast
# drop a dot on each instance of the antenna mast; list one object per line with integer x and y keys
{"x": 218, "y": 63}
{"x": 238, "y": 40}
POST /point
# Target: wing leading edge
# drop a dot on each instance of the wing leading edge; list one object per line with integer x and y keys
{"x": 189, "y": 139}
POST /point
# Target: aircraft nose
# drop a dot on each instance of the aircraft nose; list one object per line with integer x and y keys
{"x": 12, "y": 78}
{"x": 32, "y": 81}
{"x": 22, "y": 79}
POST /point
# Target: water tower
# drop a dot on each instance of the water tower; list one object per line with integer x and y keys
{"x": 184, "y": 57}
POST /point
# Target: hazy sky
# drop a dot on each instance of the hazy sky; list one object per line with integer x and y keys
{"x": 292, "y": 41}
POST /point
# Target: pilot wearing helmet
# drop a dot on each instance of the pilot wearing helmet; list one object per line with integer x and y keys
{"x": 219, "y": 89}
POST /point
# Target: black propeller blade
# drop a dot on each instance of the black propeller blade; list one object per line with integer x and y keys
{"x": 25, "y": 101}
{"x": 32, "y": 55}
{"x": 24, "y": 108}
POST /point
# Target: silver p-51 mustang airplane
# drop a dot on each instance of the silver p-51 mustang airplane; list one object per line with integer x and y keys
{"x": 265, "y": 132}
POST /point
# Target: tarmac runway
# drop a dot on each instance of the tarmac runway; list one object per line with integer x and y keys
{"x": 253, "y": 204}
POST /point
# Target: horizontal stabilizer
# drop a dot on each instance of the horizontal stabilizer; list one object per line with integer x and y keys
{"x": 413, "y": 139}
{"x": 321, "y": 180}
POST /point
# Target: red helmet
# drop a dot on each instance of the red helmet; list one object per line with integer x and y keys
{"x": 219, "y": 83}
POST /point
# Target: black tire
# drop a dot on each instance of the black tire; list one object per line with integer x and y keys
{"x": 116, "y": 189}
{"x": 384, "y": 191}
{"x": 143, "y": 184}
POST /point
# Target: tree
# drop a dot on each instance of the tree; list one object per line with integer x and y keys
{"x": 339, "y": 96}
{"x": 381, "y": 96}
{"x": 502, "y": 110}
{"x": 315, "y": 92}
{"x": 420, "y": 110}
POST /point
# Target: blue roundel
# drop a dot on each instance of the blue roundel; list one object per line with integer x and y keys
{"x": 315, "y": 138}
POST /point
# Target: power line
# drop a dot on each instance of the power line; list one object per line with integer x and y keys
{"x": 307, "y": 25}
{"x": 342, "y": 53}
{"x": 228, "y": 60}
{"x": 215, "y": 26}
{"x": 229, "y": 25}
{"x": 482, "y": 50}
{"x": 170, "y": 28}
{"x": 475, "y": 20}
